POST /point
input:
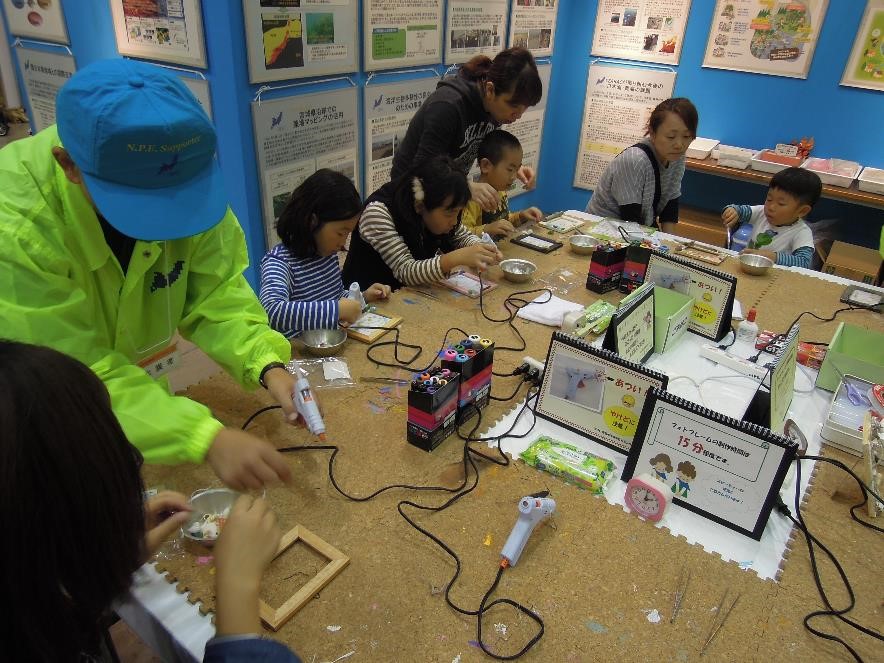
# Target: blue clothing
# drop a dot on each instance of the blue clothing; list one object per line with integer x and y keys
{"x": 300, "y": 293}
{"x": 793, "y": 244}
{"x": 681, "y": 488}
{"x": 247, "y": 649}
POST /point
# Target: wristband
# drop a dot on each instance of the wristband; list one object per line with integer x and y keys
{"x": 268, "y": 367}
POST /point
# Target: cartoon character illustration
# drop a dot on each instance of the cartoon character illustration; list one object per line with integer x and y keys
{"x": 662, "y": 466}
{"x": 685, "y": 472}
{"x": 763, "y": 239}
{"x": 629, "y": 400}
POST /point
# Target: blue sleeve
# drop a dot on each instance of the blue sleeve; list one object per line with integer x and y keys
{"x": 287, "y": 316}
{"x": 800, "y": 257}
{"x": 744, "y": 212}
{"x": 247, "y": 649}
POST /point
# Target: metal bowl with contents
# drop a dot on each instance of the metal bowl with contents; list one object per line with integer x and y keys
{"x": 583, "y": 244}
{"x": 324, "y": 342}
{"x": 754, "y": 264}
{"x": 517, "y": 270}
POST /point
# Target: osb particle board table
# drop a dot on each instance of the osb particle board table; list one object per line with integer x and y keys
{"x": 595, "y": 574}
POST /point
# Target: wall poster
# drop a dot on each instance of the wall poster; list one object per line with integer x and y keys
{"x": 401, "y": 34}
{"x": 475, "y": 27}
{"x": 529, "y": 130}
{"x": 299, "y": 38}
{"x": 533, "y": 25}
{"x": 163, "y": 30}
{"x": 865, "y": 68}
{"x": 389, "y": 108}
{"x": 296, "y": 136}
{"x": 43, "y": 73}
{"x": 774, "y": 37}
{"x": 42, "y": 20}
{"x": 618, "y": 103}
{"x": 646, "y": 30}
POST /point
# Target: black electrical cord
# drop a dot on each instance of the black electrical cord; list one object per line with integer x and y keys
{"x": 811, "y": 540}
{"x": 512, "y": 304}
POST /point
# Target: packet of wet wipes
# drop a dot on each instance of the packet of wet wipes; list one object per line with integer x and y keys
{"x": 571, "y": 463}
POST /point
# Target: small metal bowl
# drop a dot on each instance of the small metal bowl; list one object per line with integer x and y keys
{"x": 583, "y": 245}
{"x": 213, "y": 501}
{"x": 324, "y": 342}
{"x": 516, "y": 270}
{"x": 754, "y": 264}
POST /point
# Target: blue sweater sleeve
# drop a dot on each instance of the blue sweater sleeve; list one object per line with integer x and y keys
{"x": 287, "y": 316}
{"x": 247, "y": 649}
{"x": 800, "y": 257}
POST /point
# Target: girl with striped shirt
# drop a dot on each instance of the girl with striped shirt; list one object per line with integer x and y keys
{"x": 301, "y": 286}
{"x": 410, "y": 231}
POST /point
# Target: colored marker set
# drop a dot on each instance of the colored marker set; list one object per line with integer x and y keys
{"x": 473, "y": 359}
{"x": 432, "y": 407}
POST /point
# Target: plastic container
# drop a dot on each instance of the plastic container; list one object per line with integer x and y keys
{"x": 871, "y": 180}
{"x": 700, "y": 148}
{"x": 836, "y": 172}
{"x": 733, "y": 157}
{"x": 747, "y": 330}
{"x": 740, "y": 238}
{"x": 769, "y": 161}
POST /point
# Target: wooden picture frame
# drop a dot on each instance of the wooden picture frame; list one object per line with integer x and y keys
{"x": 536, "y": 242}
{"x": 372, "y": 319}
{"x": 275, "y": 618}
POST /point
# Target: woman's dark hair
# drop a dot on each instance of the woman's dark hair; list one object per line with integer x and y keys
{"x": 681, "y": 107}
{"x": 326, "y": 195}
{"x": 444, "y": 185}
{"x": 512, "y": 71}
{"x": 71, "y": 514}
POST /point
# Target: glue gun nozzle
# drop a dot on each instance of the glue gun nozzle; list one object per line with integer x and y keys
{"x": 321, "y": 437}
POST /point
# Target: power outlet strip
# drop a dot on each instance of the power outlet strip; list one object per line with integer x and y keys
{"x": 738, "y": 364}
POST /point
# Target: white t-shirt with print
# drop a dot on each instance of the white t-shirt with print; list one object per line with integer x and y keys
{"x": 778, "y": 238}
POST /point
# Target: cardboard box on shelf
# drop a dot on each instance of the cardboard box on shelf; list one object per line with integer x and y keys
{"x": 854, "y": 262}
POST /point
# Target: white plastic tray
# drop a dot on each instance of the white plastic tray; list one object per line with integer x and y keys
{"x": 833, "y": 178}
{"x": 767, "y": 166}
{"x": 700, "y": 148}
{"x": 865, "y": 183}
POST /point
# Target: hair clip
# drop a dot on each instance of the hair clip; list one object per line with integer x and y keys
{"x": 418, "y": 188}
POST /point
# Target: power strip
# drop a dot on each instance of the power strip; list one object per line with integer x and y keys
{"x": 744, "y": 366}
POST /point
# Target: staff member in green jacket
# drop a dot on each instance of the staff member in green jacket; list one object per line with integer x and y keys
{"x": 114, "y": 233}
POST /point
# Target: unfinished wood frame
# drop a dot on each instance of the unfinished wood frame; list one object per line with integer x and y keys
{"x": 276, "y": 618}
{"x": 371, "y": 335}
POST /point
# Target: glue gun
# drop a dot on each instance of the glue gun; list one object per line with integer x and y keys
{"x": 575, "y": 377}
{"x": 532, "y": 509}
{"x": 306, "y": 405}
{"x": 356, "y": 295}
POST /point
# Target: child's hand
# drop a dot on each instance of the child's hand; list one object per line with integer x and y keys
{"x": 476, "y": 256}
{"x": 499, "y": 227}
{"x": 762, "y": 252}
{"x": 730, "y": 217}
{"x": 163, "y": 514}
{"x": 530, "y": 214}
{"x": 376, "y": 291}
{"x": 348, "y": 310}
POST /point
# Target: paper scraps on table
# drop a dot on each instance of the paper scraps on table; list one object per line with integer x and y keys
{"x": 202, "y": 560}
{"x": 334, "y": 628}
{"x": 653, "y": 616}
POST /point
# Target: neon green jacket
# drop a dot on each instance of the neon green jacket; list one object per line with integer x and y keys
{"x": 61, "y": 286}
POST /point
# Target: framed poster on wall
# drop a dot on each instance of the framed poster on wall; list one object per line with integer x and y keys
{"x": 160, "y": 30}
{"x": 300, "y": 38}
{"x": 296, "y": 136}
{"x": 475, "y": 27}
{"x": 865, "y": 67}
{"x": 533, "y": 25}
{"x": 42, "y": 20}
{"x": 529, "y": 130}
{"x": 775, "y": 37}
{"x": 401, "y": 34}
{"x": 646, "y": 30}
{"x": 43, "y": 74}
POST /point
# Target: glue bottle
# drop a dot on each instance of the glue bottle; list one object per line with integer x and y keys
{"x": 740, "y": 238}
{"x": 747, "y": 330}
{"x": 356, "y": 295}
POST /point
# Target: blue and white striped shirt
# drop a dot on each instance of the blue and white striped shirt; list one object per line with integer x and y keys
{"x": 300, "y": 293}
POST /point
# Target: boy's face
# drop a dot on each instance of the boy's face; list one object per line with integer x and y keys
{"x": 332, "y": 236}
{"x": 502, "y": 174}
{"x": 782, "y": 208}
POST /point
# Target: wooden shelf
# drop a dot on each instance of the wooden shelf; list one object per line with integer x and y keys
{"x": 850, "y": 194}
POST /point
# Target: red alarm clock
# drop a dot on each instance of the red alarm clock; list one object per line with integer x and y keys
{"x": 648, "y": 497}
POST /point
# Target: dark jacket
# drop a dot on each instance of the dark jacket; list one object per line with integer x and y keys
{"x": 452, "y": 121}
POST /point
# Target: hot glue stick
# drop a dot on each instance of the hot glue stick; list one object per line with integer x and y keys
{"x": 306, "y": 405}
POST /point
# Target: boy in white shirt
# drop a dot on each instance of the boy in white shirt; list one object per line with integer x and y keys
{"x": 779, "y": 231}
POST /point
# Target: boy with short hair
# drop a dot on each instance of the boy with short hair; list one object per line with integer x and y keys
{"x": 499, "y": 158}
{"x": 779, "y": 231}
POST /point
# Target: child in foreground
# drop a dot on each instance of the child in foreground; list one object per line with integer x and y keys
{"x": 76, "y": 526}
{"x": 410, "y": 232}
{"x": 301, "y": 286}
{"x": 779, "y": 231}
{"x": 499, "y": 159}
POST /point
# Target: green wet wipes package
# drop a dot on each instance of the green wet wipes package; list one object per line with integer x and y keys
{"x": 572, "y": 464}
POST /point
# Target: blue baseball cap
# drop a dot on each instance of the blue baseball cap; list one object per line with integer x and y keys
{"x": 145, "y": 148}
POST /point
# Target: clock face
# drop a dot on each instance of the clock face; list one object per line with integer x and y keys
{"x": 645, "y": 502}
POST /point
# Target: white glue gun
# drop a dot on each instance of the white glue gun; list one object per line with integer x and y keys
{"x": 532, "y": 510}
{"x": 306, "y": 405}
{"x": 356, "y": 295}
